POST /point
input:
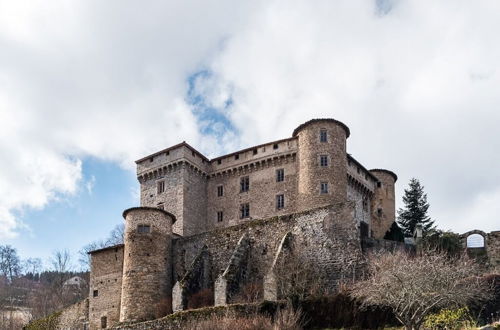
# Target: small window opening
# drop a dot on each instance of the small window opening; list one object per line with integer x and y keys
{"x": 104, "y": 322}
{"x": 96, "y": 293}
{"x": 324, "y": 187}
{"x": 220, "y": 191}
{"x": 161, "y": 186}
{"x": 379, "y": 212}
{"x": 167, "y": 153}
{"x": 280, "y": 175}
{"x": 255, "y": 151}
{"x": 322, "y": 135}
{"x": 244, "y": 184}
{"x": 143, "y": 229}
{"x": 236, "y": 157}
{"x": 192, "y": 153}
{"x": 151, "y": 159}
{"x": 220, "y": 216}
{"x": 323, "y": 160}
{"x": 379, "y": 184}
{"x": 280, "y": 201}
{"x": 219, "y": 161}
{"x": 244, "y": 211}
{"x": 275, "y": 146}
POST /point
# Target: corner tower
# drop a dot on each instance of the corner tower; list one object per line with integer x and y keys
{"x": 383, "y": 202}
{"x": 322, "y": 162}
{"x": 147, "y": 266}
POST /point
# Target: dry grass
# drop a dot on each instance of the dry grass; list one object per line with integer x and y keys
{"x": 286, "y": 319}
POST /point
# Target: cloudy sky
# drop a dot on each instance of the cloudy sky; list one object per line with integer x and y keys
{"x": 87, "y": 87}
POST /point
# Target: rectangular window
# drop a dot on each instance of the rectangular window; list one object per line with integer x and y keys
{"x": 280, "y": 175}
{"x": 379, "y": 184}
{"x": 244, "y": 211}
{"x": 275, "y": 146}
{"x": 143, "y": 229}
{"x": 280, "y": 201}
{"x": 323, "y": 160}
{"x": 96, "y": 293}
{"x": 104, "y": 322}
{"x": 220, "y": 216}
{"x": 161, "y": 186}
{"x": 244, "y": 184}
{"x": 220, "y": 191}
{"x": 255, "y": 151}
{"x": 324, "y": 188}
{"x": 236, "y": 157}
{"x": 322, "y": 135}
{"x": 219, "y": 161}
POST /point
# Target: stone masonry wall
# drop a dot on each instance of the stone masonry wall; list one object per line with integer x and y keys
{"x": 310, "y": 171}
{"x": 194, "y": 196}
{"x": 75, "y": 316}
{"x": 327, "y": 237}
{"x": 106, "y": 279}
{"x": 384, "y": 200}
{"x": 261, "y": 195}
{"x": 493, "y": 247}
{"x": 147, "y": 263}
{"x": 362, "y": 207}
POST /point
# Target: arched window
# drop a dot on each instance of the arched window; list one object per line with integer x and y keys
{"x": 475, "y": 241}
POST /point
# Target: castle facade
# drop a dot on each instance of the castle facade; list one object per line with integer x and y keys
{"x": 222, "y": 223}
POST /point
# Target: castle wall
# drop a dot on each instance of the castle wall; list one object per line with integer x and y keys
{"x": 311, "y": 173}
{"x": 75, "y": 316}
{"x": 146, "y": 283}
{"x": 362, "y": 204}
{"x": 105, "y": 278}
{"x": 326, "y": 237}
{"x": 194, "y": 216}
{"x": 261, "y": 195}
{"x": 383, "y": 203}
{"x": 493, "y": 248}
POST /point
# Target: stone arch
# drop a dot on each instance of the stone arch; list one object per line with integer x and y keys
{"x": 474, "y": 239}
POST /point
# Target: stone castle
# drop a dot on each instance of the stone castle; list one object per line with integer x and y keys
{"x": 224, "y": 222}
{"x": 221, "y": 224}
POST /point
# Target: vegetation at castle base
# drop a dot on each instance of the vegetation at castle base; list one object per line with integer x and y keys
{"x": 442, "y": 241}
{"x": 415, "y": 209}
{"x": 415, "y": 286}
{"x": 395, "y": 233}
{"x": 450, "y": 319}
{"x": 48, "y": 323}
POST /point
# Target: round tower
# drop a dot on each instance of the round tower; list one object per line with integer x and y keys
{"x": 383, "y": 204}
{"x": 322, "y": 163}
{"x": 147, "y": 264}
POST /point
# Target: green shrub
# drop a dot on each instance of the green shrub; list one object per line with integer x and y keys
{"x": 449, "y": 319}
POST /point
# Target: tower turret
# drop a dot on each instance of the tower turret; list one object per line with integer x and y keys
{"x": 147, "y": 262}
{"x": 322, "y": 163}
{"x": 383, "y": 202}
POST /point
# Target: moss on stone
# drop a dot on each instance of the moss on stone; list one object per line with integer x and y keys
{"x": 48, "y": 323}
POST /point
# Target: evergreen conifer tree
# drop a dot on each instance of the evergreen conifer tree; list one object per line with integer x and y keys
{"x": 415, "y": 209}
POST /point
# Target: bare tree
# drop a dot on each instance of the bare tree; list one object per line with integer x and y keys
{"x": 414, "y": 286}
{"x": 32, "y": 266}
{"x": 115, "y": 237}
{"x": 9, "y": 262}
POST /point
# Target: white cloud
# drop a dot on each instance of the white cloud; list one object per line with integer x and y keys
{"x": 417, "y": 87}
